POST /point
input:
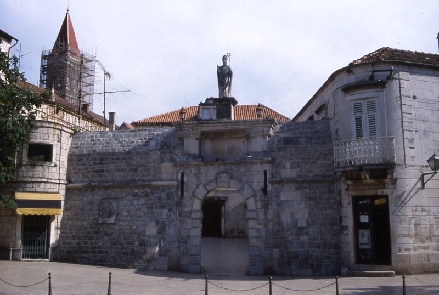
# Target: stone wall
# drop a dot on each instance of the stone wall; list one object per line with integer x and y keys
{"x": 8, "y": 233}
{"x": 120, "y": 209}
{"x": 306, "y": 232}
{"x": 134, "y": 200}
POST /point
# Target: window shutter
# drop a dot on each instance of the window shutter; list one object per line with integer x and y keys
{"x": 358, "y": 119}
{"x": 371, "y": 117}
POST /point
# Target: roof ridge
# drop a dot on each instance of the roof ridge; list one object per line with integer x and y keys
{"x": 242, "y": 112}
{"x": 394, "y": 54}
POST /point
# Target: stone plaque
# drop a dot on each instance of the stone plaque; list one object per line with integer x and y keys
{"x": 107, "y": 211}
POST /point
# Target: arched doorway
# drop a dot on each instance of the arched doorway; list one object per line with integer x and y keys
{"x": 226, "y": 208}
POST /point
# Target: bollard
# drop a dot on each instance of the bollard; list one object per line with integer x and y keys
{"x": 270, "y": 286}
{"x": 403, "y": 286}
{"x": 205, "y": 287}
{"x": 50, "y": 285}
{"x": 337, "y": 292}
{"x": 109, "y": 283}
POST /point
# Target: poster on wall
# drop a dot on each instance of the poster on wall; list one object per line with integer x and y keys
{"x": 364, "y": 218}
{"x": 364, "y": 238}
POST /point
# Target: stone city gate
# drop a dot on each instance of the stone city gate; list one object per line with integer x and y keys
{"x": 231, "y": 187}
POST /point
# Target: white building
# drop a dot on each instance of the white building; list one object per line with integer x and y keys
{"x": 6, "y": 41}
{"x": 383, "y": 114}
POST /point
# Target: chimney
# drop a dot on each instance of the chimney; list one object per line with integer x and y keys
{"x": 112, "y": 120}
{"x": 85, "y": 107}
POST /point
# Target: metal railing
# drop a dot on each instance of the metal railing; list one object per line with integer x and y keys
{"x": 380, "y": 150}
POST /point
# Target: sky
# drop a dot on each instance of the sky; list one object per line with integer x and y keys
{"x": 165, "y": 52}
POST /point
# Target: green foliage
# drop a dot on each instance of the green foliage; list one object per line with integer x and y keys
{"x": 18, "y": 109}
{"x": 7, "y": 202}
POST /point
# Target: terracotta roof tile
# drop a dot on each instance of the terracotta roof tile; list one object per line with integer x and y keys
{"x": 391, "y": 54}
{"x": 126, "y": 125}
{"x": 385, "y": 54}
{"x": 242, "y": 112}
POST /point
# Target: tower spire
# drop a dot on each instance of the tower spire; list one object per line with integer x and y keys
{"x": 66, "y": 40}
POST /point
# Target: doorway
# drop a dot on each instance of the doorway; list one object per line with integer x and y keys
{"x": 213, "y": 218}
{"x": 372, "y": 230}
{"x": 35, "y": 237}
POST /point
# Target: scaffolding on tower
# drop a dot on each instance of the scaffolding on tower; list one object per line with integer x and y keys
{"x": 70, "y": 75}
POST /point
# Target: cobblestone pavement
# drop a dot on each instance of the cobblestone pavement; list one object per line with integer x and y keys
{"x": 75, "y": 279}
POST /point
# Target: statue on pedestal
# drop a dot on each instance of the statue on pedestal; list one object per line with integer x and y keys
{"x": 225, "y": 76}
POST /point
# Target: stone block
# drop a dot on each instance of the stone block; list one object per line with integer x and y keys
{"x": 194, "y": 268}
{"x": 194, "y": 250}
{"x": 301, "y": 222}
{"x": 197, "y": 214}
{"x": 286, "y": 196}
{"x": 194, "y": 260}
{"x": 275, "y": 254}
{"x": 251, "y": 205}
{"x": 151, "y": 229}
{"x": 194, "y": 232}
{"x": 235, "y": 184}
{"x": 196, "y": 205}
{"x": 196, "y": 223}
{"x": 300, "y": 213}
{"x": 211, "y": 185}
{"x": 252, "y": 214}
{"x": 168, "y": 168}
{"x": 252, "y": 233}
{"x": 247, "y": 191}
{"x": 200, "y": 192}
{"x": 195, "y": 241}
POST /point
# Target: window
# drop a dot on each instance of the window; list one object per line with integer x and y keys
{"x": 40, "y": 152}
{"x": 365, "y": 118}
{"x": 207, "y": 112}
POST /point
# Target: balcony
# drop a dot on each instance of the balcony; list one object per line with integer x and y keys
{"x": 373, "y": 151}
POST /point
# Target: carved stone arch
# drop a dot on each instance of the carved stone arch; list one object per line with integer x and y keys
{"x": 223, "y": 180}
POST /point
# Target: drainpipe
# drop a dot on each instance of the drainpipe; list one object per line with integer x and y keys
{"x": 9, "y": 49}
{"x": 111, "y": 121}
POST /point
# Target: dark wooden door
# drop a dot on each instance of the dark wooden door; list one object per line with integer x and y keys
{"x": 372, "y": 230}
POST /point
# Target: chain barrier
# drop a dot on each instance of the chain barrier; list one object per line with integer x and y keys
{"x": 310, "y": 290}
{"x": 24, "y": 286}
{"x": 231, "y": 290}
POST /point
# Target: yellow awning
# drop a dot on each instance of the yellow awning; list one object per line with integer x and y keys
{"x": 37, "y": 203}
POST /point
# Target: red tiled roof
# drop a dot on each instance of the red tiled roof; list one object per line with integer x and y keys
{"x": 242, "y": 112}
{"x": 385, "y": 54}
{"x": 66, "y": 36}
{"x": 126, "y": 125}
{"x": 391, "y": 54}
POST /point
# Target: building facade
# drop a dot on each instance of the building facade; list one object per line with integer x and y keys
{"x": 146, "y": 198}
{"x": 344, "y": 186}
{"x": 6, "y": 42}
{"x": 32, "y": 230}
{"x": 381, "y": 110}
